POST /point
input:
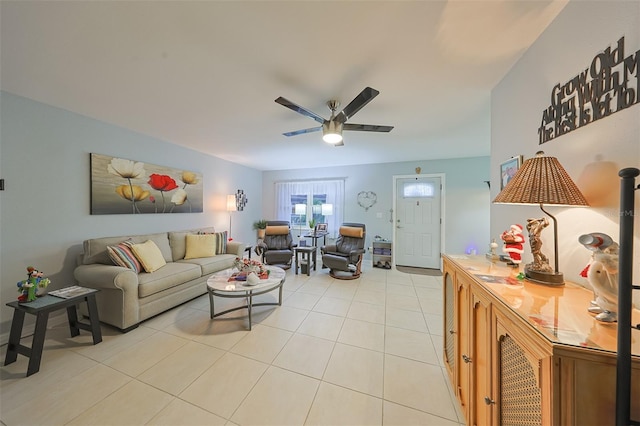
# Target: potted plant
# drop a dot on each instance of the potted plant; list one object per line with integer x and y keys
{"x": 260, "y": 226}
{"x": 312, "y": 224}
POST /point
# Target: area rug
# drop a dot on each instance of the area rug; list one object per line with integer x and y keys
{"x": 419, "y": 271}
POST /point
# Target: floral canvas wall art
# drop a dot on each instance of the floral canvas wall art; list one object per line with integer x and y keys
{"x": 123, "y": 186}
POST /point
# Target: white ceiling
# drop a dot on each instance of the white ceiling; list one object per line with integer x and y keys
{"x": 205, "y": 74}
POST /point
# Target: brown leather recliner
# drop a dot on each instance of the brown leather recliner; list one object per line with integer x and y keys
{"x": 344, "y": 258}
{"x": 277, "y": 246}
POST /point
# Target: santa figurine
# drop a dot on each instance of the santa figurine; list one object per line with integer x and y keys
{"x": 513, "y": 244}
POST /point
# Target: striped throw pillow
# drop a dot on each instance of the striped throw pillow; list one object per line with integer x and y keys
{"x": 221, "y": 241}
{"x": 121, "y": 255}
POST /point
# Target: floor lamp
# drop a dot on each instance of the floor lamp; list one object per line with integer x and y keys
{"x": 300, "y": 210}
{"x": 231, "y": 207}
{"x": 542, "y": 180}
{"x": 326, "y": 210}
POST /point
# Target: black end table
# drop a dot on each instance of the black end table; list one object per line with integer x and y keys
{"x": 41, "y": 307}
{"x": 308, "y": 257}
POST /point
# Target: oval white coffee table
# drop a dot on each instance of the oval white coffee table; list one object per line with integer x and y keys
{"x": 219, "y": 285}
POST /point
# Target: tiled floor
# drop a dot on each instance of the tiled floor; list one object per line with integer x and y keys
{"x": 360, "y": 352}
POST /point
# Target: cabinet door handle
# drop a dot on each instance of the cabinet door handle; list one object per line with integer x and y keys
{"x": 452, "y": 332}
{"x": 466, "y": 359}
{"x": 488, "y": 400}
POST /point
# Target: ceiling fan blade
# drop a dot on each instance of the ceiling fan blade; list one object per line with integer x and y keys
{"x": 300, "y": 132}
{"x": 367, "y": 127}
{"x": 356, "y": 104}
{"x": 297, "y": 108}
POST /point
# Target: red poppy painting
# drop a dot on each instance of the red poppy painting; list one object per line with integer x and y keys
{"x": 122, "y": 186}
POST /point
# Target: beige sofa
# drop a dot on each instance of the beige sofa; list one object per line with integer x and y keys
{"x": 126, "y": 298}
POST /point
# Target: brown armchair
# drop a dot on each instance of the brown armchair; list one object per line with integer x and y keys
{"x": 344, "y": 258}
{"x": 277, "y": 246}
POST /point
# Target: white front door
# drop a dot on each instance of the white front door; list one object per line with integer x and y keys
{"x": 418, "y": 222}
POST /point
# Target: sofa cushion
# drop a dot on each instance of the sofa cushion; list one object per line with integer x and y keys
{"x": 178, "y": 243}
{"x": 211, "y": 265}
{"x": 161, "y": 240}
{"x": 171, "y": 275}
{"x": 95, "y": 249}
{"x": 200, "y": 246}
{"x": 149, "y": 255}
{"x": 121, "y": 255}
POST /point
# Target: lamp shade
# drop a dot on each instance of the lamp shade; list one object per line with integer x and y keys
{"x": 541, "y": 180}
{"x": 231, "y": 203}
{"x": 300, "y": 209}
{"x": 327, "y": 209}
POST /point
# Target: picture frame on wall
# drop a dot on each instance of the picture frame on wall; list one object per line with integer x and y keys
{"x": 124, "y": 186}
{"x": 508, "y": 170}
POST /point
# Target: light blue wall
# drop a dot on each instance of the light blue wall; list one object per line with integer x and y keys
{"x": 592, "y": 154}
{"x": 44, "y": 210}
{"x": 466, "y": 196}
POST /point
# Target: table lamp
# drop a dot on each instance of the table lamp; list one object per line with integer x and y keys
{"x": 542, "y": 180}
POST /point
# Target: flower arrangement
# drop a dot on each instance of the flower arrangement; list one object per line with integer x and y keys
{"x": 247, "y": 266}
{"x": 28, "y": 288}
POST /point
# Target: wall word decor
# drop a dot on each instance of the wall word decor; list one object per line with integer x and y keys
{"x": 609, "y": 84}
{"x": 122, "y": 186}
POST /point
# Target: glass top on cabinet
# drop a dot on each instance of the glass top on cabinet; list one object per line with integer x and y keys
{"x": 559, "y": 313}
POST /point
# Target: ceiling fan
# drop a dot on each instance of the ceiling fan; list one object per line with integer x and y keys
{"x": 333, "y": 127}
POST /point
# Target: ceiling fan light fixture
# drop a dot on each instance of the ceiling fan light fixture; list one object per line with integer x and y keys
{"x": 332, "y": 132}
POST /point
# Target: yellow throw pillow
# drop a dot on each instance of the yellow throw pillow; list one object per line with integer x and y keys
{"x": 149, "y": 255}
{"x": 277, "y": 230}
{"x": 200, "y": 246}
{"x": 351, "y": 231}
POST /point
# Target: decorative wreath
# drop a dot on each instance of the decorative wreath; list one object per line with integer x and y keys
{"x": 366, "y": 199}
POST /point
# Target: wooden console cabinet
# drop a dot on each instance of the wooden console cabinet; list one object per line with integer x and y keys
{"x": 520, "y": 353}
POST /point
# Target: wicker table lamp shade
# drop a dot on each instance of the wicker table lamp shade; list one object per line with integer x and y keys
{"x": 542, "y": 180}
